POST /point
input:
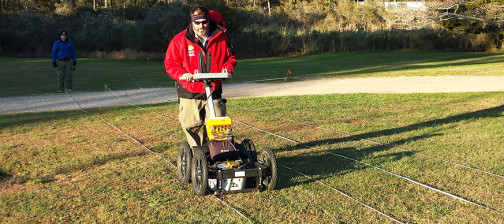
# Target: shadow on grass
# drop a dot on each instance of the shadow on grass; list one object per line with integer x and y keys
{"x": 493, "y": 112}
{"x": 357, "y": 64}
{"x": 400, "y": 64}
{"x": 25, "y": 122}
{"x": 4, "y": 176}
{"x": 97, "y": 161}
{"x": 10, "y": 121}
{"x": 325, "y": 165}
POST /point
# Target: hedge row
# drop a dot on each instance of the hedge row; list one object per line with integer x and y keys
{"x": 119, "y": 34}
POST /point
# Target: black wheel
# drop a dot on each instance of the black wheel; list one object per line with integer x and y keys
{"x": 248, "y": 144}
{"x": 184, "y": 160}
{"x": 268, "y": 159}
{"x": 199, "y": 173}
{"x": 250, "y": 150}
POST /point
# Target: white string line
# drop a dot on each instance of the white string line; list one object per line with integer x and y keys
{"x": 413, "y": 181}
{"x": 383, "y": 144}
{"x": 344, "y": 194}
{"x": 348, "y": 196}
{"x": 263, "y": 80}
{"x": 136, "y": 105}
{"x": 132, "y": 138}
{"x": 223, "y": 202}
{"x": 402, "y": 177}
{"x": 231, "y": 207}
{"x": 288, "y": 139}
{"x": 383, "y": 170}
{"x": 121, "y": 98}
{"x": 148, "y": 90}
{"x": 271, "y": 133}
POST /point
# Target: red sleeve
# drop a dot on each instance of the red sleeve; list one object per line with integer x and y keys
{"x": 231, "y": 59}
{"x": 174, "y": 59}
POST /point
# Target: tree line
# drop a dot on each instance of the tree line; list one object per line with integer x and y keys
{"x": 141, "y": 29}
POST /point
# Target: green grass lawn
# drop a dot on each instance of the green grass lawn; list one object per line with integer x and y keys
{"x": 59, "y": 167}
{"x": 72, "y": 167}
{"x": 27, "y": 76}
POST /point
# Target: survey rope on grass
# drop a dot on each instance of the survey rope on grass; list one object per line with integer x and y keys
{"x": 135, "y": 140}
{"x": 346, "y": 195}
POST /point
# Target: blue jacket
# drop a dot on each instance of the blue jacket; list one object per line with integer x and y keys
{"x": 63, "y": 50}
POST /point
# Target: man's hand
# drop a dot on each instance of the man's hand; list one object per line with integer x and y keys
{"x": 54, "y": 64}
{"x": 186, "y": 77}
{"x": 230, "y": 76}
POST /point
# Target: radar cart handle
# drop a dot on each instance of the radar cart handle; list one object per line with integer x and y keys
{"x": 207, "y": 76}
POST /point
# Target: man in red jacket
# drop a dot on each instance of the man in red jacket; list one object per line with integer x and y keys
{"x": 202, "y": 47}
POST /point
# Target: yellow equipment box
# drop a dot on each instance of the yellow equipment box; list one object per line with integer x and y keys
{"x": 218, "y": 128}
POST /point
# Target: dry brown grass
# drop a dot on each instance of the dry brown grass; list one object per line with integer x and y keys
{"x": 72, "y": 167}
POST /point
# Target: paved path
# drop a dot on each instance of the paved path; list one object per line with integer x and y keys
{"x": 419, "y": 84}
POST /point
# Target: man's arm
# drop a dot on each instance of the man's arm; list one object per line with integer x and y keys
{"x": 231, "y": 59}
{"x": 54, "y": 51}
{"x": 74, "y": 56}
{"x": 173, "y": 61}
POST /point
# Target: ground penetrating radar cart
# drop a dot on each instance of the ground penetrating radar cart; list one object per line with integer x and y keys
{"x": 223, "y": 165}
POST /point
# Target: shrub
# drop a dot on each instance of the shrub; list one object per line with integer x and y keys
{"x": 149, "y": 28}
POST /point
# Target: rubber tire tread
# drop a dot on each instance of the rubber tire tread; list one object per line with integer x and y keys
{"x": 184, "y": 153}
{"x": 268, "y": 158}
{"x": 199, "y": 173}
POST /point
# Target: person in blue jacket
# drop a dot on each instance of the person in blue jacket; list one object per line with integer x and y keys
{"x": 64, "y": 58}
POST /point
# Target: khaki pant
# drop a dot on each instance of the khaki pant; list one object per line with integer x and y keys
{"x": 193, "y": 115}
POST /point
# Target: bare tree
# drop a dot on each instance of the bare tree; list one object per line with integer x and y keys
{"x": 452, "y": 9}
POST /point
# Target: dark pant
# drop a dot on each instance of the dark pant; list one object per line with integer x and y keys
{"x": 65, "y": 71}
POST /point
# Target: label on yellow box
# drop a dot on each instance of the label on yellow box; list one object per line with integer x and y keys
{"x": 218, "y": 128}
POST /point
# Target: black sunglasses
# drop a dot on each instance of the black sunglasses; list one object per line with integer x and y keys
{"x": 198, "y": 23}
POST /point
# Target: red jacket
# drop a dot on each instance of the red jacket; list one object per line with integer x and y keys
{"x": 186, "y": 55}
